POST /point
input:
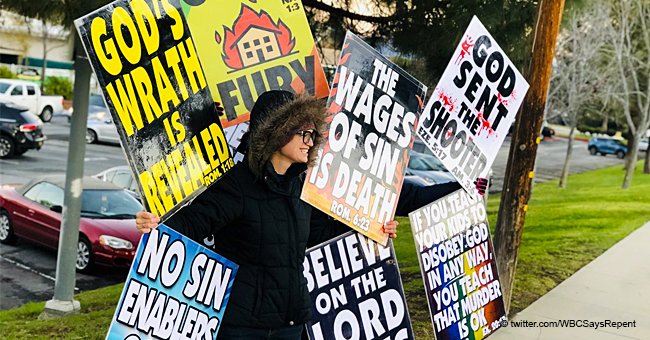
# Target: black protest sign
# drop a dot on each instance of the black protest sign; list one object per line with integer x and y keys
{"x": 146, "y": 64}
{"x": 374, "y": 106}
{"x": 356, "y": 291}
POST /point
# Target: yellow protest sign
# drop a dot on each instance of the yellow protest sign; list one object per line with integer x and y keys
{"x": 249, "y": 47}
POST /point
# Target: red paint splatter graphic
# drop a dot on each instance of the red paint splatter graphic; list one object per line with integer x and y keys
{"x": 447, "y": 101}
{"x": 485, "y": 125}
{"x": 506, "y": 101}
{"x": 464, "y": 49}
{"x": 450, "y": 131}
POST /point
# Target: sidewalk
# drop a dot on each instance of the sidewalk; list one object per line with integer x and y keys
{"x": 615, "y": 286}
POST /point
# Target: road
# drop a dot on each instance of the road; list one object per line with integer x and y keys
{"x": 551, "y": 154}
{"x": 27, "y": 271}
{"x": 52, "y": 158}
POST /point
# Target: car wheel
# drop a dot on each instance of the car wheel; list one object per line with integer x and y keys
{"x": 7, "y": 147}
{"x": 84, "y": 255}
{"x": 620, "y": 154}
{"x": 593, "y": 150}
{"x": 91, "y": 136}
{"x": 46, "y": 115}
{"x": 7, "y": 235}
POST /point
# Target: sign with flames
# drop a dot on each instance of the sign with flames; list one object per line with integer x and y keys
{"x": 374, "y": 106}
{"x": 251, "y": 47}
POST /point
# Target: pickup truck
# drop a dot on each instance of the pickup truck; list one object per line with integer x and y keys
{"x": 28, "y": 94}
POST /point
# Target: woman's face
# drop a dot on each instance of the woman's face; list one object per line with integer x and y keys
{"x": 298, "y": 147}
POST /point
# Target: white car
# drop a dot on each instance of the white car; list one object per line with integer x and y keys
{"x": 28, "y": 94}
{"x": 643, "y": 145}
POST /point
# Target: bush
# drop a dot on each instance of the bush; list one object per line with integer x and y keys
{"x": 6, "y": 73}
{"x": 59, "y": 86}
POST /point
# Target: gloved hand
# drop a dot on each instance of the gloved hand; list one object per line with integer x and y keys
{"x": 481, "y": 185}
{"x": 220, "y": 110}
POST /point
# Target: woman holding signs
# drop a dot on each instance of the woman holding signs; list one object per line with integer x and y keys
{"x": 260, "y": 222}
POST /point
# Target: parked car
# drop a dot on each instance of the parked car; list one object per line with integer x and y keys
{"x": 643, "y": 145}
{"x": 96, "y": 108}
{"x": 547, "y": 132}
{"x": 29, "y": 74}
{"x": 607, "y": 146}
{"x": 121, "y": 176}
{"x": 421, "y": 148}
{"x": 101, "y": 129}
{"x": 20, "y": 130}
{"x": 428, "y": 168}
{"x": 29, "y": 95}
{"x": 107, "y": 233}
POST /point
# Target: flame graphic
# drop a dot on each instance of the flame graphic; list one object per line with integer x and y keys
{"x": 247, "y": 20}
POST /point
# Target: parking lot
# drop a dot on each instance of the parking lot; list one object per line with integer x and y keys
{"x": 27, "y": 271}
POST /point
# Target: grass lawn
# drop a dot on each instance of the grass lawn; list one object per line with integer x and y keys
{"x": 565, "y": 229}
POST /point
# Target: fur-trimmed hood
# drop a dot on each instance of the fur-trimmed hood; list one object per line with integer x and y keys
{"x": 273, "y": 129}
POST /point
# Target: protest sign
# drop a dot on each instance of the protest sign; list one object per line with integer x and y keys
{"x": 146, "y": 64}
{"x": 469, "y": 113}
{"x": 250, "y": 47}
{"x": 374, "y": 106}
{"x": 176, "y": 289}
{"x": 356, "y": 291}
{"x": 458, "y": 266}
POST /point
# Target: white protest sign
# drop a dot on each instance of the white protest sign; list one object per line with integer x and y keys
{"x": 469, "y": 113}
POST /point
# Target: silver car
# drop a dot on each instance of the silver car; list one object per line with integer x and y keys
{"x": 101, "y": 129}
{"x": 121, "y": 176}
{"x": 428, "y": 168}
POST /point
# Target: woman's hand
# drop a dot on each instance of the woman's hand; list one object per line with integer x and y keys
{"x": 390, "y": 228}
{"x": 145, "y": 221}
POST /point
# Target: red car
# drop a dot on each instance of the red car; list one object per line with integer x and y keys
{"x": 107, "y": 233}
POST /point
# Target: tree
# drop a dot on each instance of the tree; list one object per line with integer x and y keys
{"x": 578, "y": 75}
{"x": 426, "y": 31}
{"x": 629, "y": 35}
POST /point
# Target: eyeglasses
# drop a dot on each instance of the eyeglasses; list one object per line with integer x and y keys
{"x": 308, "y": 136}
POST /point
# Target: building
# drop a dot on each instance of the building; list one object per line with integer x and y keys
{"x": 24, "y": 40}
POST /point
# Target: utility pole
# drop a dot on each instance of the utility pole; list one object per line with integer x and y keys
{"x": 63, "y": 302}
{"x": 523, "y": 148}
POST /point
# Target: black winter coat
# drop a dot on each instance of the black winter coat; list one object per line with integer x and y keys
{"x": 264, "y": 227}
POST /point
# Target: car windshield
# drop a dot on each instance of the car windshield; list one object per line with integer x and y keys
{"x": 109, "y": 204}
{"x": 97, "y": 100}
{"x": 425, "y": 162}
{"x": 30, "y": 118}
{"x": 4, "y": 87}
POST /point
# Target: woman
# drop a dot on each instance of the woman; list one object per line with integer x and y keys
{"x": 260, "y": 222}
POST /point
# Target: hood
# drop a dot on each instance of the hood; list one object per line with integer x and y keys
{"x": 124, "y": 229}
{"x": 270, "y": 134}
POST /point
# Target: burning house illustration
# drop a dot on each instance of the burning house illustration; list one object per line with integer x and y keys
{"x": 254, "y": 39}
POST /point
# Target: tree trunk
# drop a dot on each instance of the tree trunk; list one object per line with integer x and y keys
{"x": 565, "y": 169}
{"x": 630, "y": 161}
{"x": 646, "y": 164}
{"x": 44, "y": 67}
{"x": 603, "y": 127}
{"x": 523, "y": 148}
